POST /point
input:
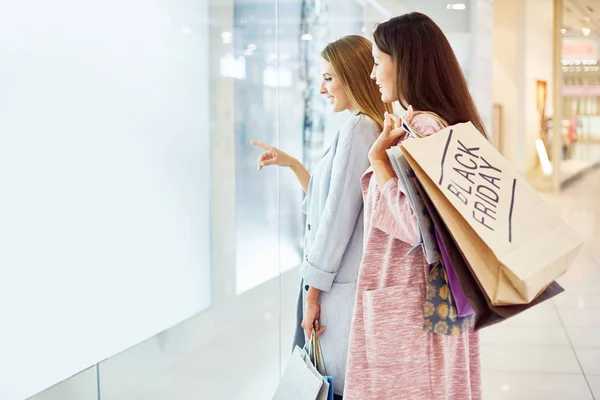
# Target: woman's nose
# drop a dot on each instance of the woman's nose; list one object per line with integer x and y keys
{"x": 323, "y": 90}
{"x": 373, "y": 73}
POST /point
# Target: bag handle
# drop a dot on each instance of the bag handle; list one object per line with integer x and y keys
{"x": 410, "y": 129}
{"x": 316, "y": 354}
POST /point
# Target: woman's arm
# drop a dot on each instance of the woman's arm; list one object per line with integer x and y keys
{"x": 342, "y": 207}
{"x": 393, "y": 213}
{"x": 274, "y": 156}
{"x": 383, "y": 172}
{"x": 301, "y": 173}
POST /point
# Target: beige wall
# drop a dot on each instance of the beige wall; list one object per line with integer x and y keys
{"x": 505, "y": 71}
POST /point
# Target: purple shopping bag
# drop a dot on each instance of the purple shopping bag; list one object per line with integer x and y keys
{"x": 463, "y": 308}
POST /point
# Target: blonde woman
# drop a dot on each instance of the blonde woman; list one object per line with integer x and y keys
{"x": 334, "y": 202}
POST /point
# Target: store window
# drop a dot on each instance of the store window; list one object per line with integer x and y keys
{"x": 580, "y": 131}
{"x": 226, "y": 72}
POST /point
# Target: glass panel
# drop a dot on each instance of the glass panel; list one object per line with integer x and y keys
{"x": 259, "y": 201}
{"x": 82, "y": 386}
{"x": 105, "y": 169}
{"x": 231, "y": 350}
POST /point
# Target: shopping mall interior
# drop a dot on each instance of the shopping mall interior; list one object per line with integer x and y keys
{"x": 112, "y": 291}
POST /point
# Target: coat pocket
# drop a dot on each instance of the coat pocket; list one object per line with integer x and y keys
{"x": 394, "y": 336}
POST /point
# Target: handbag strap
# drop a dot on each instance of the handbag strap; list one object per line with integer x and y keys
{"x": 411, "y": 129}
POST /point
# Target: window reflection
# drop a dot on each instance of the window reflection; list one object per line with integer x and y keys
{"x": 268, "y": 216}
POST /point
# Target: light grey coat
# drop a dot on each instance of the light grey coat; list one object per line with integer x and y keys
{"x": 334, "y": 236}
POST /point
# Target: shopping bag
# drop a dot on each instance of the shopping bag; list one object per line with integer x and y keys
{"x": 441, "y": 310}
{"x": 515, "y": 242}
{"x": 301, "y": 380}
{"x": 329, "y": 380}
{"x": 318, "y": 360}
{"x": 463, "y": 307}
{"x": 486, "y": 314}
{"x": 406, "y": 186}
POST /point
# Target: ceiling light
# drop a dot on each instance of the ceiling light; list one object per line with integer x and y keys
{"x": 456, "y": 6}
{"x": 307, "y": 36}
{"x": 563, "y": 31}
{"x": 585, "y": 31}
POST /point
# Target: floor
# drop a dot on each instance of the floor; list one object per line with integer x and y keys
{"x": 238, "y": 351}
{"x": 553, "y": 351}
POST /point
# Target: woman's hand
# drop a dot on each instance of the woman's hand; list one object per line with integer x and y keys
{"x": 392, "y": 131}
{"x": 312, "y": 313}
{"x": 310, "y": 322}
{"x": 273, "y": 156}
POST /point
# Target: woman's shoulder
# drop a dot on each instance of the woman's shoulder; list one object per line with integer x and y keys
{"x": 360, "y": 127}
{"x": 425, "y": 123}
{"x": 364, "y": 121}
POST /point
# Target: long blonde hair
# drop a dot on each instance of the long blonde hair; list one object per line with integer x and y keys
{"x": 352, "y": 62}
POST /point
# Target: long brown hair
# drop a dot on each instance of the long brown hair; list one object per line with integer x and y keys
{"x": 427, "y": 74}
{"x": 352, "y": 62}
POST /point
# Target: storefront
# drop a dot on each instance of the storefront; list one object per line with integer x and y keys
{"x": 143, "y": 113}
{"x": 574, "y": 101}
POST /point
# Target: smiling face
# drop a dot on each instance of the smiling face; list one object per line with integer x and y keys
{"x": 333, "y": 89}
{"x": 383, "y": 75}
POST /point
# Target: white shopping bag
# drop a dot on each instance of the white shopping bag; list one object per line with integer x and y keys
{"x": 301, "y": 380}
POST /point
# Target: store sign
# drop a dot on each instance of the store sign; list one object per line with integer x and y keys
{"x": 580, "y": 90}
{"x": 579, "y": 49}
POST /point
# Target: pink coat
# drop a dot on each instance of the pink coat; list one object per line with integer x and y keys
{"x": 390, "y": 356}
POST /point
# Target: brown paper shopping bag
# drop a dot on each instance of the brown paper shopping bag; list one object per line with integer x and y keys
{"x": 515, "y": 242}
{"x": 486, "y": 314}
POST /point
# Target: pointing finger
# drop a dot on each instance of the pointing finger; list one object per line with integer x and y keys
{"x": 259, "y": 144}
